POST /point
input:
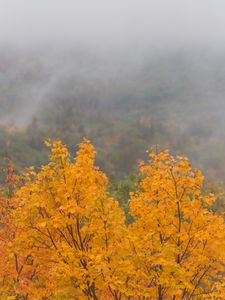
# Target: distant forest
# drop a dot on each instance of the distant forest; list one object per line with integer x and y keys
{"x": 124, "y": 105}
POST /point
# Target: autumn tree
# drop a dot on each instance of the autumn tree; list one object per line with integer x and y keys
{"x": 178, "y": 244}
{"x": 73, "y": 233}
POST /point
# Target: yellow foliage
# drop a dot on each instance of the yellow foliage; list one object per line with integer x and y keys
{"x": 178, "y": 244}
{"x": 69, "y": 239}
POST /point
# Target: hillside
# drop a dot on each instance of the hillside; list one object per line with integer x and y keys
{"x": 123, "y": 104}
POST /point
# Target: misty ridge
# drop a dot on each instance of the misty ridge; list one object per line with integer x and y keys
{"x": 180, "y": 91}
{"x": 182, "y": 85}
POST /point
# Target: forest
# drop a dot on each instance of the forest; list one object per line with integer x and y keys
{"x": 124, "y": 105}
{"x": 112, "y": 142}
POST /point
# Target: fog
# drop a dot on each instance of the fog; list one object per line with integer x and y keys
{"x": 161, "y": 63}
{"x": 113, "y": 24}
{"x": 103, "y": 39}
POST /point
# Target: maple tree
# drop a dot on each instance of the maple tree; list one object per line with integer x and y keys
{"x": 70, "y": 228}
{"x": 178, "y": 243}
{"x": 63, "y": 236}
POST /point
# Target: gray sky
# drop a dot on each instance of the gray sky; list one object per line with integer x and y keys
{"x": 113, "y": 23}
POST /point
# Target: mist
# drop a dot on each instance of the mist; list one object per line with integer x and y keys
{"x": 112, "y": 25}
{"x": 84, "y": 39}
{"x": 151, "y": 68}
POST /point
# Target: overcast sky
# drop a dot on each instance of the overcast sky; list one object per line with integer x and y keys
{"x": 113, "y": 23}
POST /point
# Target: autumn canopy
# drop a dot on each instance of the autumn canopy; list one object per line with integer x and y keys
{"x": 62, "y": 236}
